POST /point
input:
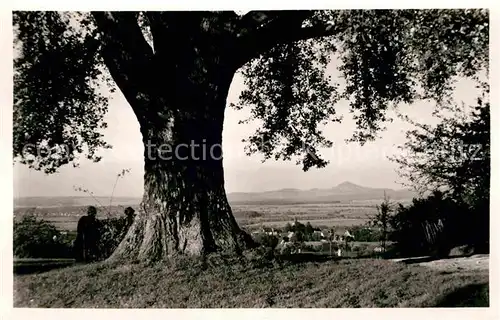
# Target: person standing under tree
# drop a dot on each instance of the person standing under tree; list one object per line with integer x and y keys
{"x": 87, "y": 236}
{"x": 130, "y": 214}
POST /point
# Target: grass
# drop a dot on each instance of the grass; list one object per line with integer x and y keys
{"x": 250, "y": 283}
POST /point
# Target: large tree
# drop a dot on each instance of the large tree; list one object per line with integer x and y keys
{"x": 175, "y": 70}
{"x": 453, "y": 157}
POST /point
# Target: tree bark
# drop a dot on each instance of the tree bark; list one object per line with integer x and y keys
{"x": 184, "y": 208}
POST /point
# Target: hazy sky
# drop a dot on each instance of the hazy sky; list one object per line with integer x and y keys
{"x": 365, "y": 165}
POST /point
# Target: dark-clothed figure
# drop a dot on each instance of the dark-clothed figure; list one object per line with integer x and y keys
{"x": 86, "y": 243}
{"x": 130, "y": 214}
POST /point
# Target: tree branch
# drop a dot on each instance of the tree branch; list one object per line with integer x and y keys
{"x": 252, "y": 20}
{"x": 260, "y": 31}
{"x": 126, "y": 54}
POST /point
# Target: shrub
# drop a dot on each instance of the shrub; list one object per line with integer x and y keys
{"x": 431, "y": 225}
{"x": 290, "y": 248}
{"x": 37, "y": 238}
{"x": 111, "y": 231}
{"x": 365, "y": 234}
{"x": 363, "y": 250}
{"x": 311, "y": 248}
{"x": 254, "y": 214}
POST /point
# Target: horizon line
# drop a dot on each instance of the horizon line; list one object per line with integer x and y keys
{"x": 232, "y": 192}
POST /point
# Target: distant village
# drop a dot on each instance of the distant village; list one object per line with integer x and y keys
{"x": 297, "y": 237}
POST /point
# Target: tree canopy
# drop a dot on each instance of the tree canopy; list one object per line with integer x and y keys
{"x": 452, "y": 156}
{"x": 451, "y": 160}
{"x": 66, "y": 63}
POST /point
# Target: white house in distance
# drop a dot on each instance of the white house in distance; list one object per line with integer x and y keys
{"x": 337, "y": 237}
{"x": 348, "y": 235}
{"x": 272, "y": 232}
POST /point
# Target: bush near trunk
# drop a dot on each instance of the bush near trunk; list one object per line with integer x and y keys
{"x": 112, "y": 231}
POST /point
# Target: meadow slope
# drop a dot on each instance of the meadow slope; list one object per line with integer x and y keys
{"x": 251, "y": 283}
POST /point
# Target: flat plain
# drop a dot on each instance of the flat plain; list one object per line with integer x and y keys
{"x": 248, "y": 215}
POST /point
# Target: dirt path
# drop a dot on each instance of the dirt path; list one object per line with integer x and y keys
{"x": 478, "y": 262}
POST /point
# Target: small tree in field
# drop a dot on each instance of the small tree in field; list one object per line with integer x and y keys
{"x": 175, "y": 70}
{"x": 382, "y": 220}
{"x": 331, "y": 238}
{"x": 308, "y": 230}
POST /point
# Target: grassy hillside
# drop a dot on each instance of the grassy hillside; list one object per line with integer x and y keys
{"x": 219, "y": 283}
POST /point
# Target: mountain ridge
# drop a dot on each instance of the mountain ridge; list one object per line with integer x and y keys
{"x": 345, "y": 191}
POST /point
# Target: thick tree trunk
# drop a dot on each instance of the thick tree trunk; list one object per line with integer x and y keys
{"x": 184, "y": 208}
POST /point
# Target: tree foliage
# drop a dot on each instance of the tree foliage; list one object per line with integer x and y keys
{"x": 382, "y": 220}
{"x": 58, "y": 107}
{"x": 386, "y": 57}
{"x": 454, "y": 155}
{"x": 365, "y": 233}
{"x": 452, "y": 161}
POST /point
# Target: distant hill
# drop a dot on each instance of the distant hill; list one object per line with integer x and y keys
{"x": 344, "y": 192}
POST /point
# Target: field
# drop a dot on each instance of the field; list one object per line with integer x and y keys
{"x": 329, "y": 214}
{"x": 247, "y": 215}
{"x": 250, "y": 283}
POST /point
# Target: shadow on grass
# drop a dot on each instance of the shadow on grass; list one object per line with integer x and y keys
{"x": 315, "y": 257}
{"x": 412, "y": 260}
{"x": 474, "y": 295}
{"x": 42, "y": 265}
{"x": 305, "y": 257}
{"x": 321, "y": 257}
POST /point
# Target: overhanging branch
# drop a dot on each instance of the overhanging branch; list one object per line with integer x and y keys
{"x": 253, "y": 20}
{"x": 126, "y": 54}
{"x": 276, "y": 27}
